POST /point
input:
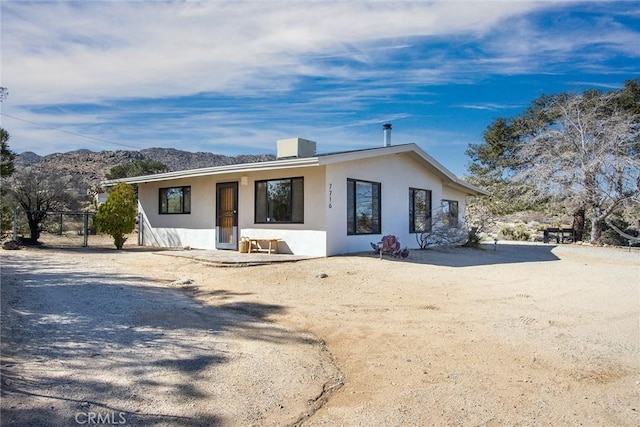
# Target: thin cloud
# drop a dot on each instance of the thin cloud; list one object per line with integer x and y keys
{"x": 489, "y": 106}
{"x": 216, "y": 75}
{"x": 107, "y": 50}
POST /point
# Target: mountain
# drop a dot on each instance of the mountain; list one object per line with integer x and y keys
{"x": 87, "y": 168}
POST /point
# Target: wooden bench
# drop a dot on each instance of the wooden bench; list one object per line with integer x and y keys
{"x": 254, "y": 245}
{"x": 559, "y": 235}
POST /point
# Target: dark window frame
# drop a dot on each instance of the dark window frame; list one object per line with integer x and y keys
{"x": 448, "y": 218}
{"x": 185, "y": 202}
{"x": 352, "y": 207}
{"x": 296, "y": 217}
{"x": 412, "y": 211}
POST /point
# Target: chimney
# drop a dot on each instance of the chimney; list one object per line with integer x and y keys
{"x": 295, "y": 147}
{"x": 386, "y": 128}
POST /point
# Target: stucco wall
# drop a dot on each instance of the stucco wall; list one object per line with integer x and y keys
{"x": 396, "y": 173}
{"x": 308, "y": 238}
{"x": 324, "y": 231}
{"x": 197, "y": 229}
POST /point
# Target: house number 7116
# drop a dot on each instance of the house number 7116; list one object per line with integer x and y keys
{"x": 330, "y": 194}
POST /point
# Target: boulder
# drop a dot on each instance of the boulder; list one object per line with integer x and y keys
{"x": 11, "y": 245}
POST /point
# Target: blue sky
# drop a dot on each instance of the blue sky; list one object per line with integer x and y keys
{"x": 234, "y": 77}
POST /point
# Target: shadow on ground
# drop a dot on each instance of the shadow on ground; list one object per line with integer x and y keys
{"x": 56, "y": 321}
{"x": 487, "y": 254}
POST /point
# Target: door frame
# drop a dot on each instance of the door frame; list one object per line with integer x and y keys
{"x": 234, "y": 187}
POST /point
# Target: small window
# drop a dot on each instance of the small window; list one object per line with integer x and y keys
{"x": 419, "y": 210}
{"x": 363, "y": 207}
{"x": 280, "y": 201}
{"x": 175, "y": 200}
{"x": 450, "y": 213}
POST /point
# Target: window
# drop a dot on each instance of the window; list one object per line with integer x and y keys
{"x": 280, "y": 200}
{"x": 175, "y": 200}
{"x": 363, "y": 207}
{"x": 419, "y": 210}
{"x": 450, "y": 213}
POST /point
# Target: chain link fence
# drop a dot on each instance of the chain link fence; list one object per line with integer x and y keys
{"x": 59, "y": 228}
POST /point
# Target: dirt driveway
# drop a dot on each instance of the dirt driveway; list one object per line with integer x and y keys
{"x": 524, "y": 335}
{"x": 90, "y": 338}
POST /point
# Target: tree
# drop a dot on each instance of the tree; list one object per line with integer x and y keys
{"x": 579, "y": 151}
{"x": 117, "y": 216}
{"x": 38, "y": 191}
{"x": 6, "y": 155}
{"x": 6, "y": 170}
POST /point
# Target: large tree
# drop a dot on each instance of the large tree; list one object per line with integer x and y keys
{"x": 579, "y": 150}
{"x": 38, "y": 192}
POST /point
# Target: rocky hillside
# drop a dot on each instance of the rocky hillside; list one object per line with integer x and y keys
{"x": 90, "y": 167}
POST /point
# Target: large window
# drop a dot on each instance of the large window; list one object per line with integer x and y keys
{"x": 419, "y": 210}
{"x": 450, "y": 213}
{"x": 280, "y": 200}
{"x": 363, "y": 207}
{"x": 175, "y": 200}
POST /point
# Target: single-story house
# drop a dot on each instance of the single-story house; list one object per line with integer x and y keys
{"x": 314, "y": 204}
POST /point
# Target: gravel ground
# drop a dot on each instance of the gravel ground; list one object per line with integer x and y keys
{"x": 527, "y": 334}
{"x": 82, "y": 339}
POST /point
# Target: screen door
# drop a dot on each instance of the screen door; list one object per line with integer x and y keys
{"x": 227, "y": 215}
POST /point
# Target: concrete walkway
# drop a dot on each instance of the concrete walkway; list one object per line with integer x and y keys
{"x": 233, "y": 258}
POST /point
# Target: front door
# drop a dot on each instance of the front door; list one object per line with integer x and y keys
{"x": 227, "y": 215}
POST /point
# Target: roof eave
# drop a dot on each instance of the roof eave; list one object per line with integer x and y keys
{"x": 217, "y": 170}
{"x": 469, "y": 189}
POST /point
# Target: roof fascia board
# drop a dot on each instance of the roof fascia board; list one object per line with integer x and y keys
{"x": 450, "y": 179}
{"x": 218, "y": 170}
{"x": 465, "y": 187}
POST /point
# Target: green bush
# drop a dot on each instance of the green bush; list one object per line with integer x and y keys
{"x": 117, "y": 216}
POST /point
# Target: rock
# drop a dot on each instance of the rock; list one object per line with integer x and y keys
{"x": 11, "y": 245}
{"x": 182, "y": 282}
{"x": 322, "y": 276}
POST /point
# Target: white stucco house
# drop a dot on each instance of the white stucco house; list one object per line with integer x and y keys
{"x": 314, "y": 204}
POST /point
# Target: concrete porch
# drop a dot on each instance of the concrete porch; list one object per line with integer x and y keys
{"x": 233, "y": 258}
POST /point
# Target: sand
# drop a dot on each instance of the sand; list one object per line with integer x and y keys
{"x": 526, "y": 334}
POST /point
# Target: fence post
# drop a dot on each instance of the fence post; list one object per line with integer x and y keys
{"x": 140, "y": 229}
{"x": 15, "y": 224}
{"x": 85, "y": 229}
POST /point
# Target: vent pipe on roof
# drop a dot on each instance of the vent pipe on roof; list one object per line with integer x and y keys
{"x": 386, "y": 128}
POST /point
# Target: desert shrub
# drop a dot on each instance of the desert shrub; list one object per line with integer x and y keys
{"x": 610, "y": 236}
{"x": 518, "y": 232}
{"x": 541, "y": 227}
{"x": 473, "y": 238}
{"x": 443, "y": 237}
